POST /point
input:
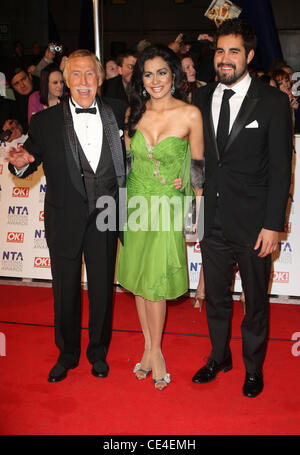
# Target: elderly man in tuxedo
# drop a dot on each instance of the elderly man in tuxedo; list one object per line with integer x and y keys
{"x": 78, "y": 142}
{"x": 248, "y": 146}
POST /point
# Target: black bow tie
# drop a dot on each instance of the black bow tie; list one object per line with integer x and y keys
{"x": 89, "y": 110}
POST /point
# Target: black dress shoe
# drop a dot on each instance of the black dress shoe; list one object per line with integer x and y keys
{"x": 253, "y": 385}
{"x": 59, "y": 372}
{"x": 211, "y": 369}
{"x": 100, "y": 369}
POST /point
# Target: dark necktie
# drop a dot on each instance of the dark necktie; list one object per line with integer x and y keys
{"x": 89, "y": 110}
{"x": 223, "y": 124}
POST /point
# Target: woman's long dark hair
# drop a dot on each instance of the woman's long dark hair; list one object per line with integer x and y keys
{"x": 44, "y": 82}
{"x": 136, "y": 86}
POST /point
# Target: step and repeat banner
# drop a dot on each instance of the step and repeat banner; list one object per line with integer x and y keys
{"x": 23, "y": 248}
{"x": 24, "y": 253}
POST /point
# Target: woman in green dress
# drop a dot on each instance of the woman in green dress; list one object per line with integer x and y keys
{"x": 163, "y": 135}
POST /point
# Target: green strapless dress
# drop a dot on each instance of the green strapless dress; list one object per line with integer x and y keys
{"x": 152, "y": 263}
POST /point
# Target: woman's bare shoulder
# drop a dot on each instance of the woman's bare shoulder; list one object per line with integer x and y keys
{"x": 191, "y": 112}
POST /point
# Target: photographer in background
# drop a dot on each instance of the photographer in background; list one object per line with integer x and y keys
{"x": 7, "y": 110}
{"x": 284, "y": 83}
{"x": 181, "y": 45}
{"x": 24, "y": 84}
{"x": 201, "y": 51}
{"x": 49, "y": 58}
{"x": 13, "y": 133}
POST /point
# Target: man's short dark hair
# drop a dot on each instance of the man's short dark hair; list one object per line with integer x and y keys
{"x": 13, "y": 72}
{"x": 238, "y": 27}
{"x": 120, "y": 58}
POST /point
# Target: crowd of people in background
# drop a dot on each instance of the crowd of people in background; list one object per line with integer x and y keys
{"x": 154, "y": 81}
{"x": 34, "y": 82}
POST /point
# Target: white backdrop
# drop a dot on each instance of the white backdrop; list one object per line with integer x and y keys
{"x": 24, "y": 253}
{"x": 23, "y": 249}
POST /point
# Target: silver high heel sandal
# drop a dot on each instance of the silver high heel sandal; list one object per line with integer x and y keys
{"x": 138, "y": 369}
{"x": 161, "y": 384}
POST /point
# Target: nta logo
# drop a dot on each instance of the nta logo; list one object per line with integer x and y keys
{"x": 12, "y": 256}
{"x": 17, "y": 210}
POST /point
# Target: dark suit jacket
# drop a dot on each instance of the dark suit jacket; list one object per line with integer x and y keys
{"x": 253, "y": 175}
{"x": 66, "y": 205}
{"x": 114, "y": 88}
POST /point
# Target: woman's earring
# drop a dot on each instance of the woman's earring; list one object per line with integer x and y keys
{"x": 173, "y": 89}
{"x": 144, "y": 92}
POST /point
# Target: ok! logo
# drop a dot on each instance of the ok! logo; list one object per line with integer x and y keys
{"x": 42, "y": 262}
{"x": 15, "y": 237}
{"x": 20, "y": 191}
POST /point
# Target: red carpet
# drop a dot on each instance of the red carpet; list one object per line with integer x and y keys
{"x": 121, "y": 405}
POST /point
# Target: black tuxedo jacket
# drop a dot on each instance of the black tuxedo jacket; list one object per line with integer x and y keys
{"x": 252, "y": 177}
{"x": 51, "y": 141}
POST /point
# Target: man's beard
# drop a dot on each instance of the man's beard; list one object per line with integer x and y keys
{"x": 232, "y": 78}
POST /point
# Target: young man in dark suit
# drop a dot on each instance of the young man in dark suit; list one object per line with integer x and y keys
{"x": 23, "y": 85}
{"x": 248, "y": 147}
{"x": 78, "y": 142}
{"x": 116, "y": 87}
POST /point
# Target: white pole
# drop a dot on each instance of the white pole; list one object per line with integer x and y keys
{"x": 96, "y": 28}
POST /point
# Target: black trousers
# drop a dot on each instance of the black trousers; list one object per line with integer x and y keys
{"x": 99, "y": 251}
{"x": 220, "y": 257}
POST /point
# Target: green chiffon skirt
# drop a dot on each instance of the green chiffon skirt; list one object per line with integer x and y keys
{"x": 152, "y": 262}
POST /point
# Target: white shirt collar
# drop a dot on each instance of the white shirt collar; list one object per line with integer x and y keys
{"x": 73, "y": 104}
{"x": 240, "y": 88}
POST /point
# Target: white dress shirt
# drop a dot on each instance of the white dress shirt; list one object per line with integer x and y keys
{"x": 89, "y": 130}
{"x": 235, "y": 102}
